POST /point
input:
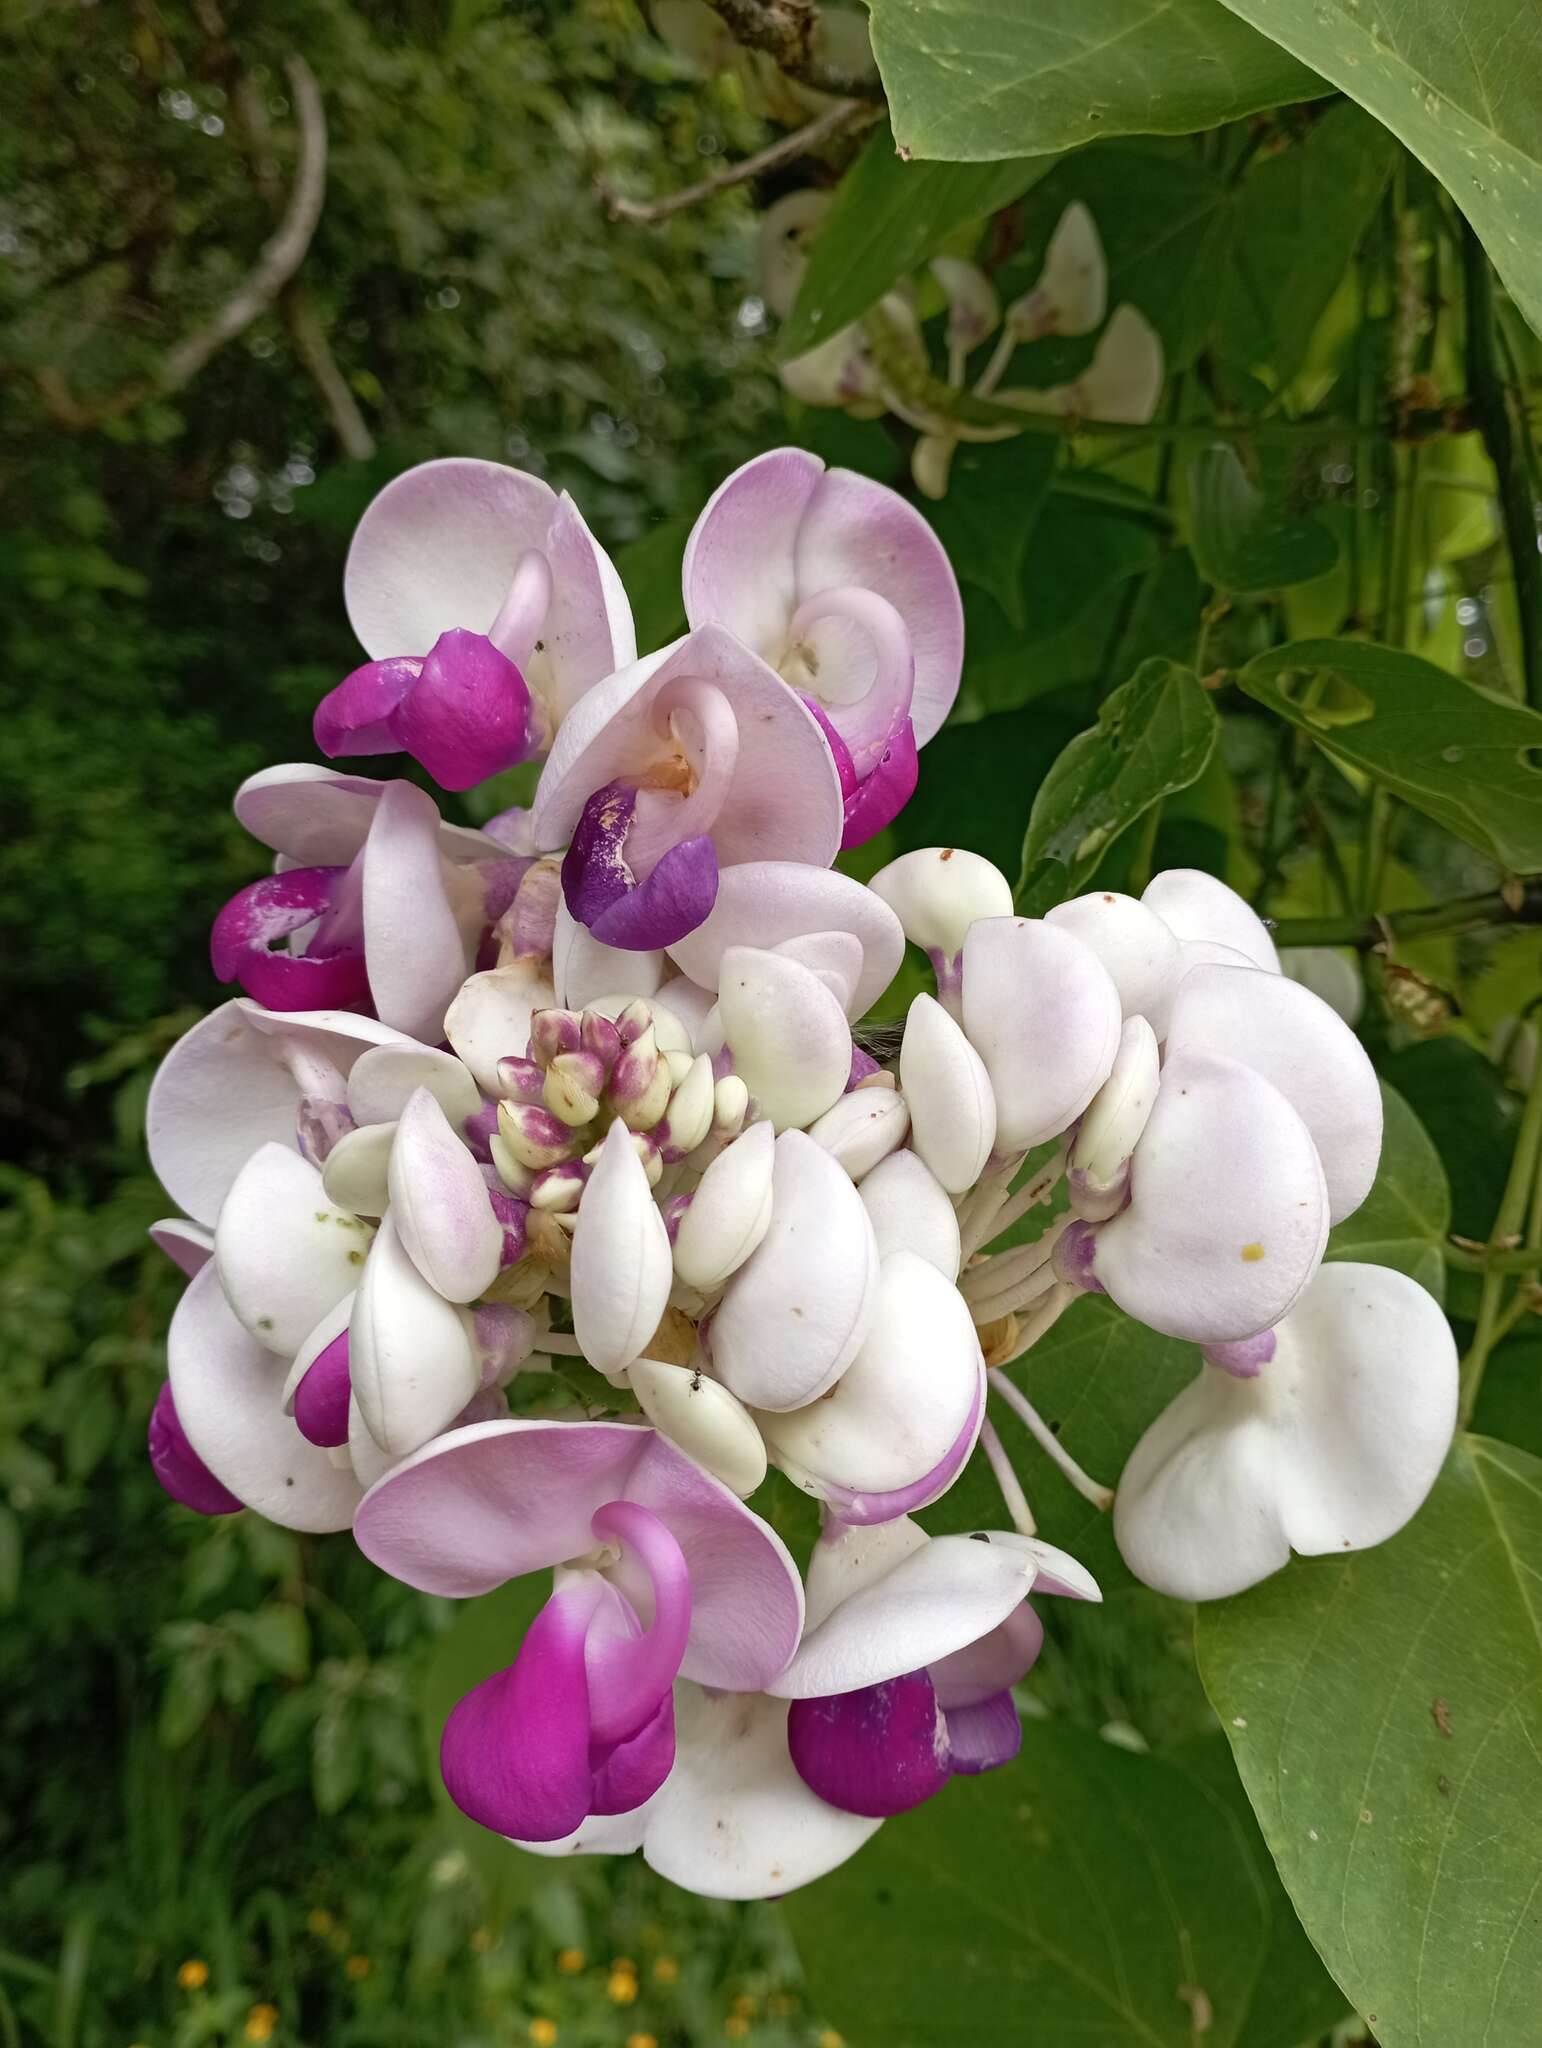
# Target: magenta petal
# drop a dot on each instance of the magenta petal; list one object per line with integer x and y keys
{"x": 984, "y": 1736}
{"x": 515, "y": 1752}
{"x": 321, "y": 1398}
{"x": 178, "y": 1467}
{"x": 634, "y": 1770}
{"x": 673, "y": 901}
{"x": 468, "y": 716}
{"x": 357, "y": 717}
{"x": 256, "y": 917}
{"x": 840, "y": 753}
{"x": 885, "y": 793}
{"x": 628, "y": 1676}
{"x": 877, "y": 1751}
{"x": 594, "y": 870}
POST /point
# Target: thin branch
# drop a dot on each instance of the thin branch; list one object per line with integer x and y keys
{"x": 1491, "y": 404}
{"x": 845, "y": 113}
{"x": 783, "y": 30}
{"x": 315, "y": 353}
{"x": 1519, "y": 903}
{"x": 281, "y": 256}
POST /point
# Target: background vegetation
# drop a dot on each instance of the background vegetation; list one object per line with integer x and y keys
{"x": 218, "y": 1816}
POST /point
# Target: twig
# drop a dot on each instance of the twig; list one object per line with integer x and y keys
{"x": 1491, "y": 404}
{"x": 785, "y": 150}
{"x": 315, "y": 353}
{"x": 1521, "y": 1191}
{"x": 1521, "y": 903}
{"x": 783, "y": 30}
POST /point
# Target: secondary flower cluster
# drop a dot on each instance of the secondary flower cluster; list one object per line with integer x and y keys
{"x": 543, "y": 1189}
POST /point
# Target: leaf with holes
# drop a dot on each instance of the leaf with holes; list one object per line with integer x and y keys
{"x": 1080, "y": 1894}
{"x": 972, "y": 79}
{"x": 887, "y": 218}
{"x": 1153, "y": 736}
{"x": 1466, "y": 757}
{"x": 1460, "y": 84}
{"x": 1385, "y": 1712}
{"x": 1244, "y": 541}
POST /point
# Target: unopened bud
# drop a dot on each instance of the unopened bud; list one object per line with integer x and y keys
{"x": 573, "y": 1086}
{"x": 559, "y": 1188}
{"x": 640, "y": 1083}
{"x": 553, "y": 1031}
{"x": 515, "y": 1175}
{"x": 688, "y": 1117}
{"x": 521, "y": 1080}
{"x": 536, "y": 1138}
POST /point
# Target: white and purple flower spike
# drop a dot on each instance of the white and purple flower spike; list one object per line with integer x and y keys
{"x": 1044, "y": 1016}
{"x": 766, "y": 904}
{"x": 582, "y": 1723}
{"x": 622, "y": 1265}
{"x": 1228, "y": 1211}
{"x": 937, "y": 893}
{"x": 1330, "y": 1443}
{"x": 687, "y": 762}
{"x": 488, "y": 609}
{"x": 845, "y": 590}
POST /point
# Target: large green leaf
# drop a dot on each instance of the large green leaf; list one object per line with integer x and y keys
{"x": 1081, "y": 1894}
{"x": 1460, "y": 83}
{"x": 972, "y": 79}
{"x": 1299, "y": 217}
{"x": 995, "y": 495}
{"x": 1154, "y": 735}
{"x": 1244, "y": 541}
{"x": 889, "y": 216}
{"x": 1466, "y": 757}
{"x": 1403, "y": 1221}
{"x": 1385, "y": 1711}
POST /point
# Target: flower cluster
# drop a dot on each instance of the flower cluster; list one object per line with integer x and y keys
{"x": 543, "y": 1188}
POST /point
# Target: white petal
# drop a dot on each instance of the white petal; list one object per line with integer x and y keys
{"x": 320, "y": 817}
{"x": 930, "y": 1603}
{"x": 1196, "y": 906}
{"x": 602, "y": 1834}
{"x": 848, "y": 1557}
{"x": 229, "y": 1085}
{"x": 489, "y": 1019}
{"x": 788, "y": 1035}
{"x": 368, "y": 1460}
{"x": 582, "y": 967}
{"x": 836, "y": 957}
{"x": 1228, "y": 1212}
{"x": 701, "y": 1418}
{"x": 188, "y": 1245}
{"x": 1042, "y": 1013}
{"x": 355, "y": 1174}
{"x": 687, "y": 1002}
{"x": 1112, "y": 1126}
{"x": 863, "y": 1128}
{"x": 730, "y": 1213}
{"x": 384, "y": 1081}
{"x": 1329, "y": 973}
{"x": 952, "y": 1104}
{"x": 414, "y": 948}
{"x": 331, "y": 1327}
{"x": 439, "y": 1204}
{"x": 734, "y": 1820}
{"x": 1333, "y": 1446}
{"x": 794, "y": 1316}
{"x": 229, "y": 1395}
{"x": 938, "y": 892}
{"x": 911, "y": 1212}
{"x": 1143, "y": 958}
{"x": 621, "y": 1268}
{"x": 765, "y": 903}
{"x": 904, "y": 1401}
{"x": 1290, "y": 1036}
{"x": 410, "y": 1353}
{"x": 285, "y": 1254}
{"x": 1074, "y": 279}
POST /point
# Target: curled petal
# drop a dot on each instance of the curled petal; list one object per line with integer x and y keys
{"x": 1332, "y": 1446}
{"x": 952, "y": 1105}
{"x": 631, "y": 1672}
{"x": 619, "y": 911}
{"x": 855, "y": 643}
{"x": 795, "y": 1314}
{"x": 878, "y": 801}
{"x": 1042, "y": 1013}
{"x": 910, "y": 1211}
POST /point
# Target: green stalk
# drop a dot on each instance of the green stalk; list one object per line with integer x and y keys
{"x": 1520, "y": 1190}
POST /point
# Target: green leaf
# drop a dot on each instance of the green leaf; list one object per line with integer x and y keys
{"x": 995, "y": 495}
{"x": 649, "y": 567}
{"x": 972, "y": 79}
{"x": 337, "y": 1756}
{"x": 1404, "y": 1220}
{"x": 1154, "y": 735}
{"x": 1510, "y": 1398}
{"x": 10, "y": 1558}
{"x": 187, "y": 1699}
{"x": 1300, "y": 216}
{"x": 889, "y": 216}
{"x": 1456, "y": 752}
{"x": 1083, "y": 1893}
{"x": 1385, "y": 1712}
{"x": 279, "y": 1636}
{"x": 1461, "y": 86}
{"x": 1243, "y": 541}
{"x": 1000, "y": 762}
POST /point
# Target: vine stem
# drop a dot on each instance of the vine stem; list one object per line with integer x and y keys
{"x": 1518, "y": 904}
{"x": 1520, "y": 1189}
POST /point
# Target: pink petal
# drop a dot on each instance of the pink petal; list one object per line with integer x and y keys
{"x": 877, "y": 1751}
{"x": 358, "y": 716}
{"x": 469, "y": 714}
{"x": 178, "y": 1467}
{"x": 326, "y": 977}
